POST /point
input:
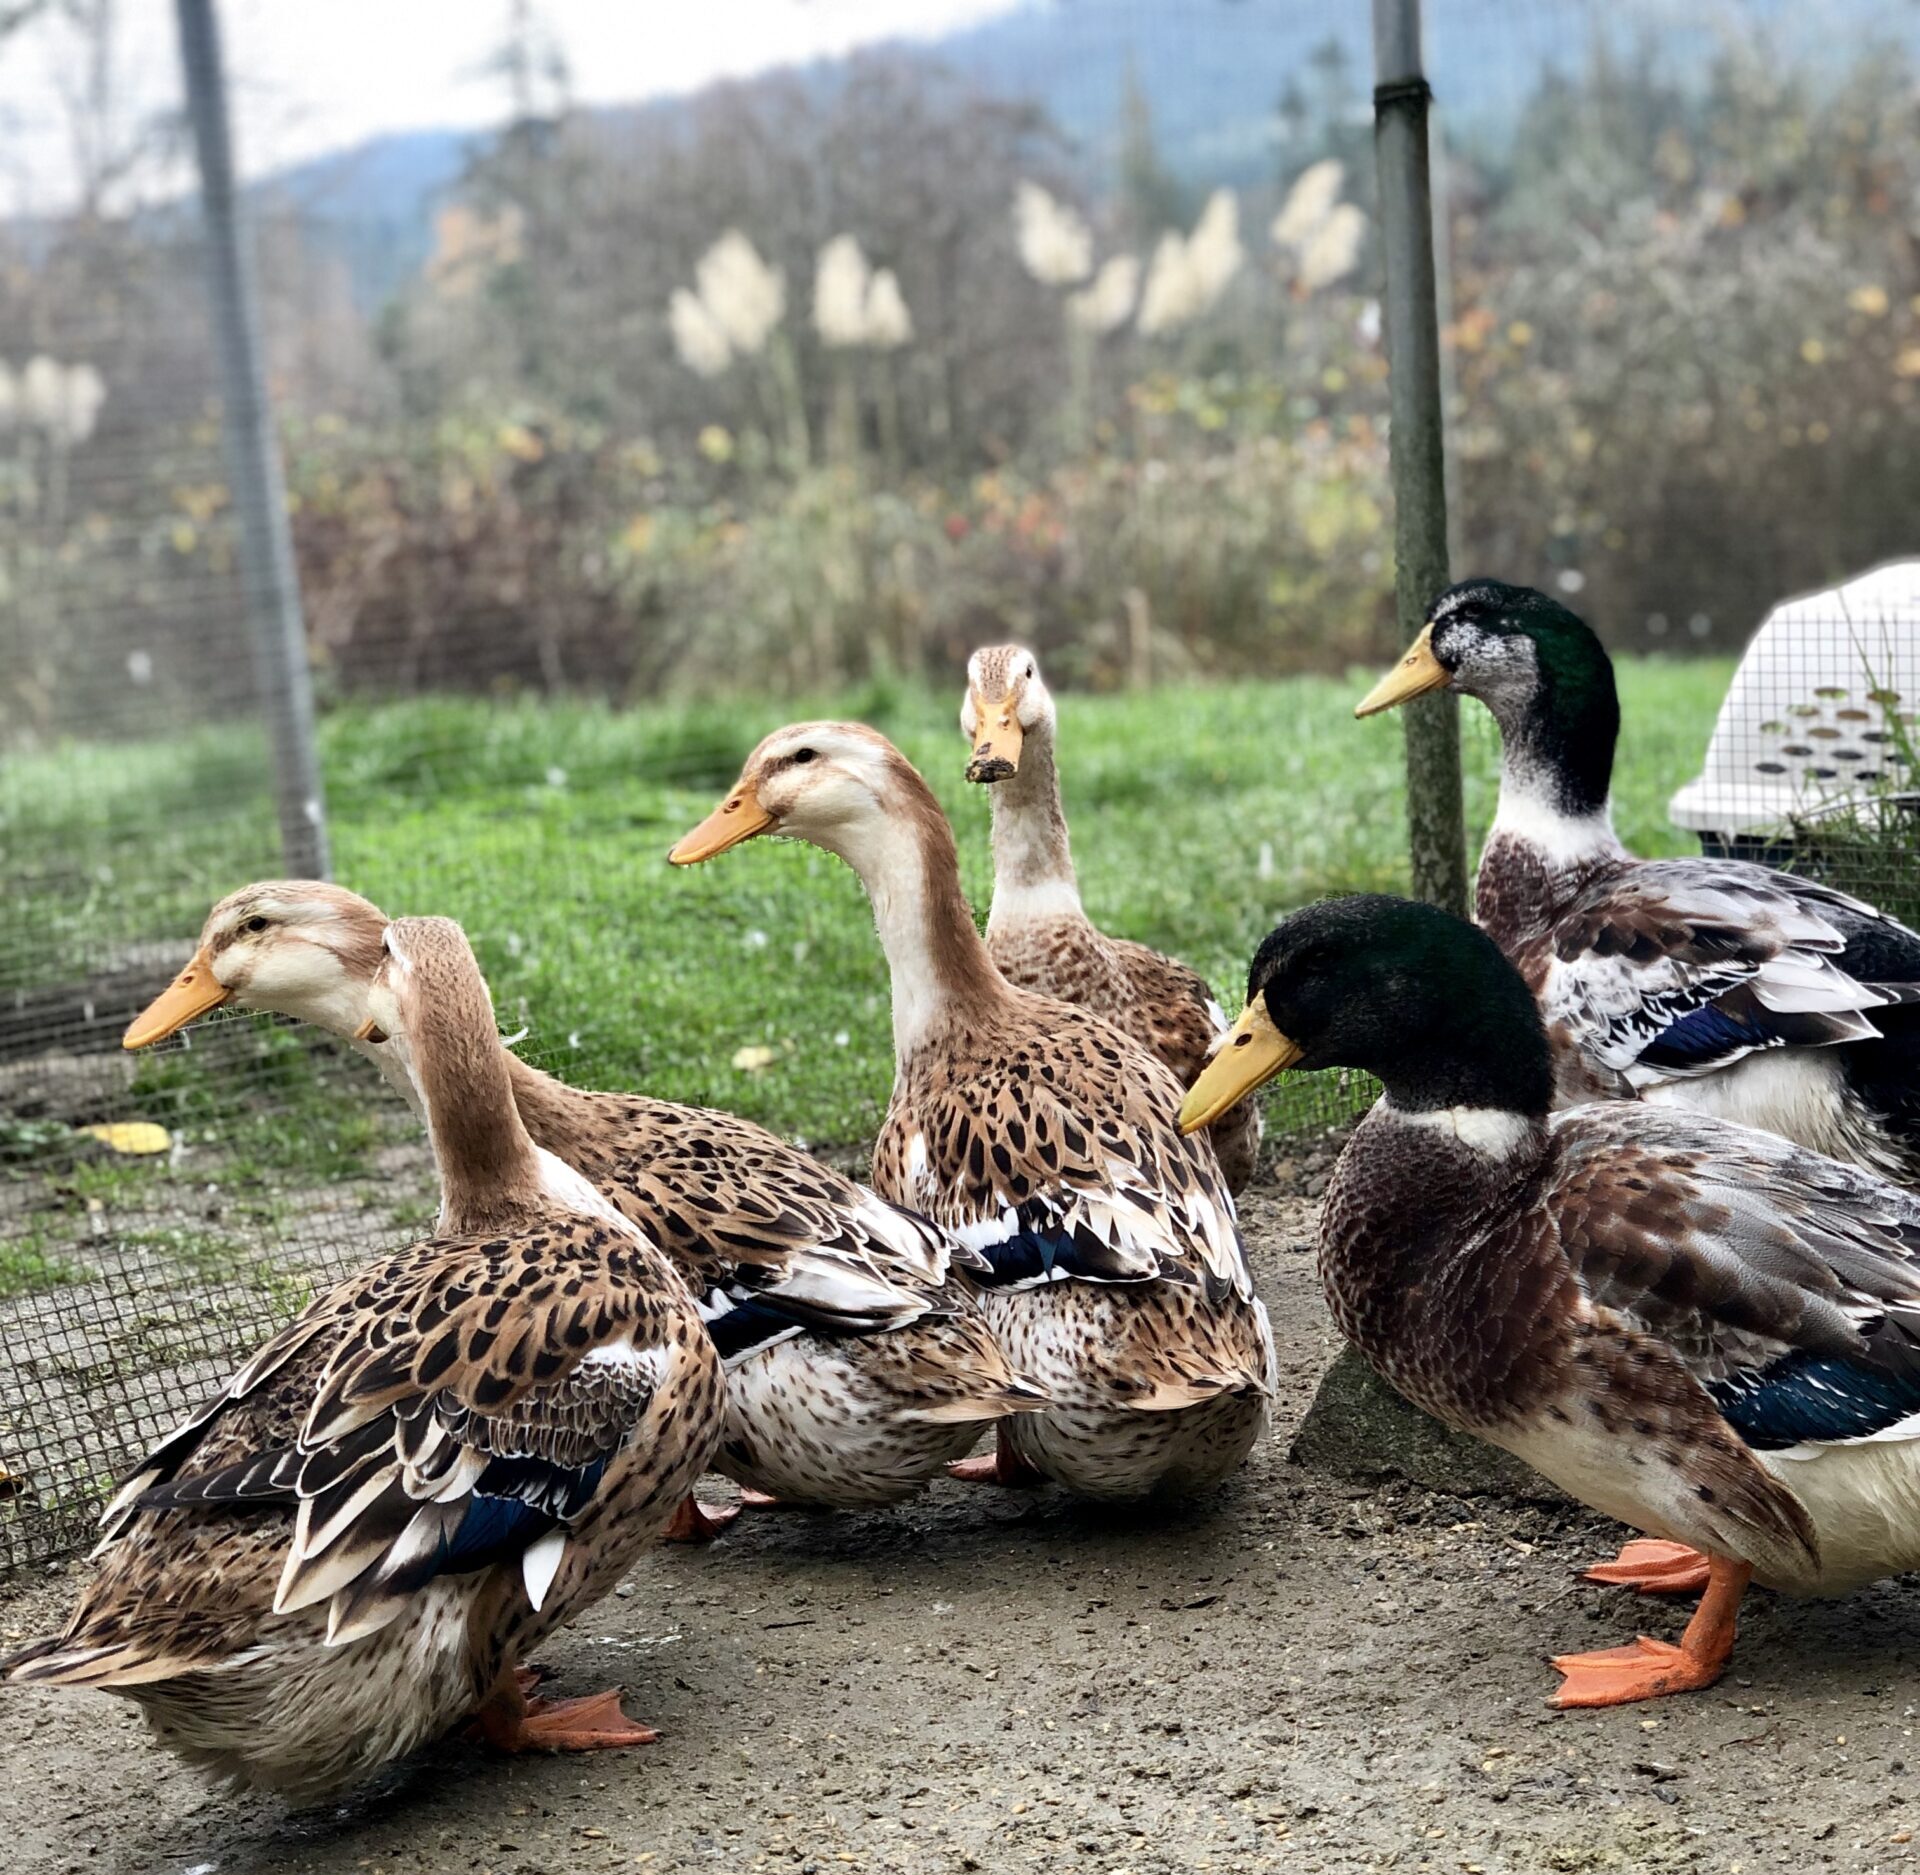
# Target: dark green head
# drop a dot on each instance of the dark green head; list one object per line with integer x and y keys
{"x": 1417, "y": 997}
{"x": 1544, "y": 675}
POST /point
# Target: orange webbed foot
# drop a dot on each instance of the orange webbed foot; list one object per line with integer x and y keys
{"x": 594, "y": 1723}
{"x": 1650, "y": 1669}
{"x": 1616, "y": 1676}
{"x": 1002, "y": 1466}
{"x": 695, "y": 1522}
{"x": 1654, "y": 1568}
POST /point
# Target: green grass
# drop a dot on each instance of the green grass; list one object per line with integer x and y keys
{"x": 28, "y": 1265}
{"x": 1199, "y": 816}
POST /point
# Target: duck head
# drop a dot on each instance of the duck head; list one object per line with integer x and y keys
{"x": 1539, "y": 669}
{"x": 1404, "y": 991}
{"x": 296, "y": 947}
{"x": 834, "y": 785}
{"x": 1006, "y": 702}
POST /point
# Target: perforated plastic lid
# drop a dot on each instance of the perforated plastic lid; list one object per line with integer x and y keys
{"x": 1818, "y": 709}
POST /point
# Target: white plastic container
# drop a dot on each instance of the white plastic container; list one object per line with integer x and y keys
{"x": 1816, "y": 713}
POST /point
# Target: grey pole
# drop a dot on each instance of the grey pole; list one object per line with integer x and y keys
{"x": 1436, "y": 820}
{"x": 253, "y": 459}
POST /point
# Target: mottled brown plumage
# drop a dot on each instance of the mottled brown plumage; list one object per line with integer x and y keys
{"x": 1038, "y": 932}
{"x": 1711, "y": 984}
{"x": 352, "y": 1545}
{"x": 1699, "y": 1328}
{"x": 1042, "y": 1138}
{"x": 860, "y": 1366}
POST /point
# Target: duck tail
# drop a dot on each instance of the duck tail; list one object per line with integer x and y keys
{"x": 1018, "y": 1395}
{"x": 1173, "y": 1392}
{"x": 61, "y": 1660}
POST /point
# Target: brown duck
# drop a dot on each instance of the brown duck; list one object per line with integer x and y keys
{"x": 355, "y": 1543}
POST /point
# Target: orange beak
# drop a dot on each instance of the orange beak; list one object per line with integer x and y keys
{"x": 192, "y": 993}
{"x": 739, "y": 817}
{"x": 997, "y": 742}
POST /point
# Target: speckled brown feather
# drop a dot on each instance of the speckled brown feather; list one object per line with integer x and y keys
{"x": 274, "y": 1586}
{"x": 895, "y": 1367}
{"x": 1045, "y": 1099}
{"x": 1456, "y": 1274}
{"x": 1039, "y": 935}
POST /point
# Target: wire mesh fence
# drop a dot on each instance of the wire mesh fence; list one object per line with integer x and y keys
{"x": 616, "y": 434}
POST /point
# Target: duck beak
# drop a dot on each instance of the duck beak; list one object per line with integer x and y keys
{"x": 192, "y": 993}
{"x": 1416, "y": 673}
{"x": 1252, "y": 1054}
{"x": 739, "y": 817}
{"x": 996, "y": 749}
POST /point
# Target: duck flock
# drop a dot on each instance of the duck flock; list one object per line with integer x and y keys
{"x": 1638, "y": 1205}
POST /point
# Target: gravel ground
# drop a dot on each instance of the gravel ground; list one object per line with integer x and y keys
{"x": 1303, "y": 1675}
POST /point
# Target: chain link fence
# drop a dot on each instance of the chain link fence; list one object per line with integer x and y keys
{"x": 615, "y": 435}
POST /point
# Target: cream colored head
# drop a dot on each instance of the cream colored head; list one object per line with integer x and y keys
{"x": 1006, "y": 702}
{"x": 835, "y": 785}
{"x": 296, "y": 947}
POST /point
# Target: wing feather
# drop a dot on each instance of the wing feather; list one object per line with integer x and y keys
{"x": 1788, "y": 1283}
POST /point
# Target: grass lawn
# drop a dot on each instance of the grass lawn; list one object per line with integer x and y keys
{"x": 1199, "y": 816}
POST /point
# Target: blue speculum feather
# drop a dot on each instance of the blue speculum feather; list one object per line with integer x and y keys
{"x": 1031, "y": 1254}
{"x": 528, "y": 1496}
{"x": 1701, "y": 1037}
{"x": 750, "y": 1325}
{"x": 1809, "y": 1398}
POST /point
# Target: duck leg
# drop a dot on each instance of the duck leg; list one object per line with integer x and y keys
{"x": 1003, "y": 1465}
{"x": 510, "y": 1721}
{"x": 695, "y": 1522}
{"x": 1647, "y": 1669}
{"x": 1654, "y": 1568}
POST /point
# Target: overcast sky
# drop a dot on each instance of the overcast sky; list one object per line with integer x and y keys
{"x": 316, "y": 75}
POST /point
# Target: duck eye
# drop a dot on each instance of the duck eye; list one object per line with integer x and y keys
{"x": 1032, "y": 672}
{"x": 255, "y": 923}
{"x": 803, "y": 755}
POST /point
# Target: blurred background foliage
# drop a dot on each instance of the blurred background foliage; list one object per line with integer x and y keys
{"x": 623, "y": 430}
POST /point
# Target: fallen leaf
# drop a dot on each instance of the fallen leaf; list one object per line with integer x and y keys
{"x": 131, "y": 1136}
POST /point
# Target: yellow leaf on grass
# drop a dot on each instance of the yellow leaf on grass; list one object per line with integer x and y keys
{"x": 133, "y": 1136}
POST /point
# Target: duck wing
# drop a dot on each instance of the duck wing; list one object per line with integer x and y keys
{"x": 1054, "y": 1155}
{"x": 1786, "y": 1282}
{"x": 772, "y": 1242}
{"x": 452, "y": 1409}
{"x": 1678, "y": 968}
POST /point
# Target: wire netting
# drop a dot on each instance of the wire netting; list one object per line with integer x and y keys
{"x": 618, "y": 433}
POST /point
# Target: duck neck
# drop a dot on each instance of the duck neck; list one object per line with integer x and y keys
{"x": 561, "y": 1119}
{"x": 457, "y": 1079}
{"x": 1553, "y": 827}
{"x": 935, "y": 955}
{"x": 1033, "y": 879}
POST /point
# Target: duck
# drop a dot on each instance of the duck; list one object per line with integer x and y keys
{"x": 858, "y": 1366}
{"x": 353, "y": 1545}
{"x": 1044, "y": 1139}
{"x": 1697, "y": 1328}
{"x": 1038, "y": 932}
{"x": 1713, "y": 984}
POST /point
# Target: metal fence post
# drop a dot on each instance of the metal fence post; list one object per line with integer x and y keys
{"x": 253, "y": 458}
{"x": 1436, "y": 821}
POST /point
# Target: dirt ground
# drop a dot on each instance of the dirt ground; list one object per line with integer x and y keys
{"x": 1303, "y": 1675}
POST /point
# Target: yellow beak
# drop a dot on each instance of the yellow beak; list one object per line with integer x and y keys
{"x": 739, "y": 817}
{"x": 1416, "y": 673}
{"x": 996, "y": 748}
{"x": 1251, "y": 1055}
{"x": 192, "y": 993}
